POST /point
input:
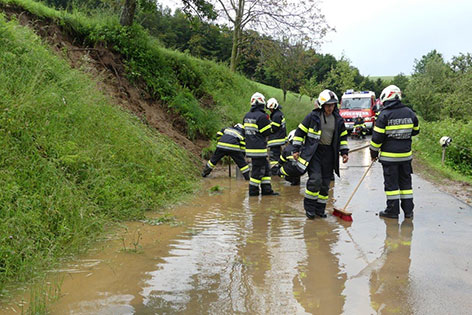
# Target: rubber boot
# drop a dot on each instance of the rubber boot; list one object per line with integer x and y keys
{"x": 267, "y": 190}
{"x": 387, "y": 214}
{"x": 206, "y": 171}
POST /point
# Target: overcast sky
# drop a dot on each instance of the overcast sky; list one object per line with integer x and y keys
{"x": 383, "y": 37}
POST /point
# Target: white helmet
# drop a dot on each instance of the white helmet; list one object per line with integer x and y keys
{"x": 445, "y": 141}
{"x": 390, "y": 93}
{"x": 326, "y": 97}
{"x": 291, "y": 135}
{"x": 272, "y": 103}
{"x": 240, "y": 126}
{"x": 258, "y": 98}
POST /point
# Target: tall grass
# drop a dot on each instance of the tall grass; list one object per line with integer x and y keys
{"x": 69, "y": 161}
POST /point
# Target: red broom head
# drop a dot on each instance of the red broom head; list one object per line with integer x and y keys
{"x": 345, "y": 217}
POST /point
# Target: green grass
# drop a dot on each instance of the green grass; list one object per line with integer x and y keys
{"x": 70, "y": 162}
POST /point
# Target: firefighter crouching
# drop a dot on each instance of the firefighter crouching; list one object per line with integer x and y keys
{"x": 257, "y": 127}
{"x": 288, "y": 165}
{"x": 359, "y": 127}
{"x": 230, "y": 142}
{"x": 279, "y": 132}
{"x": 391, "y": 138}
{"x": 319, "y": 140}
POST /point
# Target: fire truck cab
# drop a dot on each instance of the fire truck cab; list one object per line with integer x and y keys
{"x": 355, "y": 104}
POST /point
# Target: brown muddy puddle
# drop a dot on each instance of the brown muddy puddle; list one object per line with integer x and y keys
{"x": 233, "y": 254}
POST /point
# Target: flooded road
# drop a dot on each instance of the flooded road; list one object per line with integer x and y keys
{"x": 233, "y": 254}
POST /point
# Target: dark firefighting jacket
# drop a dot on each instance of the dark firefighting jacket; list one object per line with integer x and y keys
{"x": 288, "y": 163}
{"x": 257, "y": 127}
{"x": 231, "y": 138}
{"x": 307, "y": 138}
{"x": 279, "y": 131}
{"x": 392, "y": 133}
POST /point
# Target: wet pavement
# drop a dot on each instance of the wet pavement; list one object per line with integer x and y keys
{"x": 229, "y": 253}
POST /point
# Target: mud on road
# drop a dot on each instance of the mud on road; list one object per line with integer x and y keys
{"x": 228, "y": 253}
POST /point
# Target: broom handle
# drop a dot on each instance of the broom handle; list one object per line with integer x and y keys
{"x": 358, "y": 184}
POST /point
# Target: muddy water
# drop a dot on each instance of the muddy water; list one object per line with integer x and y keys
{"x": 235, "y": 254}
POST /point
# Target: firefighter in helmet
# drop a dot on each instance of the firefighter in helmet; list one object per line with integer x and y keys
{"x": 279, "y": 132}
{"x": 319, "y": 140}
{"x": 257, "y": 127}
{"x": 391, "y": 145}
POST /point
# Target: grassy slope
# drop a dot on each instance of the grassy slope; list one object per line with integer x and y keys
{"x": 69, "y": 161}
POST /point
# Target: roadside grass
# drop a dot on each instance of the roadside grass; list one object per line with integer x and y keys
{"x": 458, "y": 161}
{"x": 70, "y": 162}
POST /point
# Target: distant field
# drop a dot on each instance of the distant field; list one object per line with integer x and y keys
{"x": 385, "y": 78}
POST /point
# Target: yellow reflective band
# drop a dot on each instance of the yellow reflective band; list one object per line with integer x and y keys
{"x": 391, "y": 154}
{"x": 255, "y": 180}
{"x": 265, "y": 128}
{"x": 242, "y": 142}
{"x": 275, "y": 124}
{"x": 211, "y": 164}
{"x": 256, "y": 150}
{"x": 244, "y": 168}
{"x": 302, "y": 161}
{"x": 282, "y": 159}
{"x": 305, "y": 129}
{"x": 298, "y": 139}
{"x": 343, "y": 142}
{"x": 311, "y": 193}
{"x": 219, "y": 133}
{"x": 416, "y": 128}
{"x": 392, "y": 192}
{"x": 406, "y": 192}
{"x": 273, "y": 162}
{"x": 275, "y": 140}
{"x": 375, "y": 145}
{"x": 311, "y": 130}
{"x": 283, "y": 171}
{"x": 250, "y": 125}
{"x": 323, "y": 197}
{"x": 379, "y": 130}
{"x": 229, "y": 145}
{"x": 344, "y": 133}
{"x": 283, "y": 119}
{"x": 395, "y": 127}
{"x": 266, "y": 178}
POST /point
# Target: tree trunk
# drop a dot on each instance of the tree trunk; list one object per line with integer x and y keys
{"x": 285, "y": 94}
{"x": 127, "y": 15}
{"x": 234, "y": 50}
{"x": 237, "y": 32}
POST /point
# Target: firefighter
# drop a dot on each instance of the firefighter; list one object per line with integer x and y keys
{"x": 230, "y": 142}
{"x": 288, "y": 168}
{"x": 391, "y": 145}
{"x": 319, "y": 140}
{"x": 359, "y": 123}
{"x": 257, "y": 127}
{"x": 279, "y": 132}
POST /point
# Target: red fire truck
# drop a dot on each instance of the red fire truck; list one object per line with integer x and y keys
{"x": 355, "y": 104}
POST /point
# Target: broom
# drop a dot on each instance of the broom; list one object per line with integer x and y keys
{"x": 342, "y": 213}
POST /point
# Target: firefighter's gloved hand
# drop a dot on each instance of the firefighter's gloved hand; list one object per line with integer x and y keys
{"x": 345, "y": 158}
{"x": 374, "y": 155}
{"x": 296, "y": 155}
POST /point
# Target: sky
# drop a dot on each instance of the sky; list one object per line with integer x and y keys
{"x": 384, "y": 37}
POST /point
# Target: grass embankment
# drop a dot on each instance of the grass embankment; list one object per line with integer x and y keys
{"x": 207, "y": 94}
{"x": 458, "y": 161}
{"x": 70, "y": 161}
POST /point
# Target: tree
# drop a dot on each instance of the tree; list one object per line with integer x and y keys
{"x": 287, "y": 63}
{"x": 127, "y": 14}
{"x": 420, "y": 65}
{"x": 282, "y": 19}
{"x": 461, "y": 63}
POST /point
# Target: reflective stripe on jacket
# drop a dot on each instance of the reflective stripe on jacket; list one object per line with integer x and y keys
{"x": 392, "y": 133}
{"x": 279, "y": 131}
{"x": 232, "y": 139}
{"x": 257, "y": 127}
{"x": 307, "y": 137}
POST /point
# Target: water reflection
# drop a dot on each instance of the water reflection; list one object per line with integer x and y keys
{"x": 390, "y": 285}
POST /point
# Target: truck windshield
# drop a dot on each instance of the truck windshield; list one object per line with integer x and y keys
{"x": 355, "y": 103}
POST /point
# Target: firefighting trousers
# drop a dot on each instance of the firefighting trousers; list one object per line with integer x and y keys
{"x": 397, "y": 186}
{"x": 275, "y": 154}
{"x": 238, "y": 158}
{"x": 260, "y": 177}
{"x": 320, "y": 171}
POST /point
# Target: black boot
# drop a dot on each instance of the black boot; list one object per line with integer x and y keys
{"x": 387, "y": 214}
{"x": 206, "y": 171}
{"x": 267, "y": 190}
{"x": 409, "y": 215}
{"x": 270, "y": 193}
